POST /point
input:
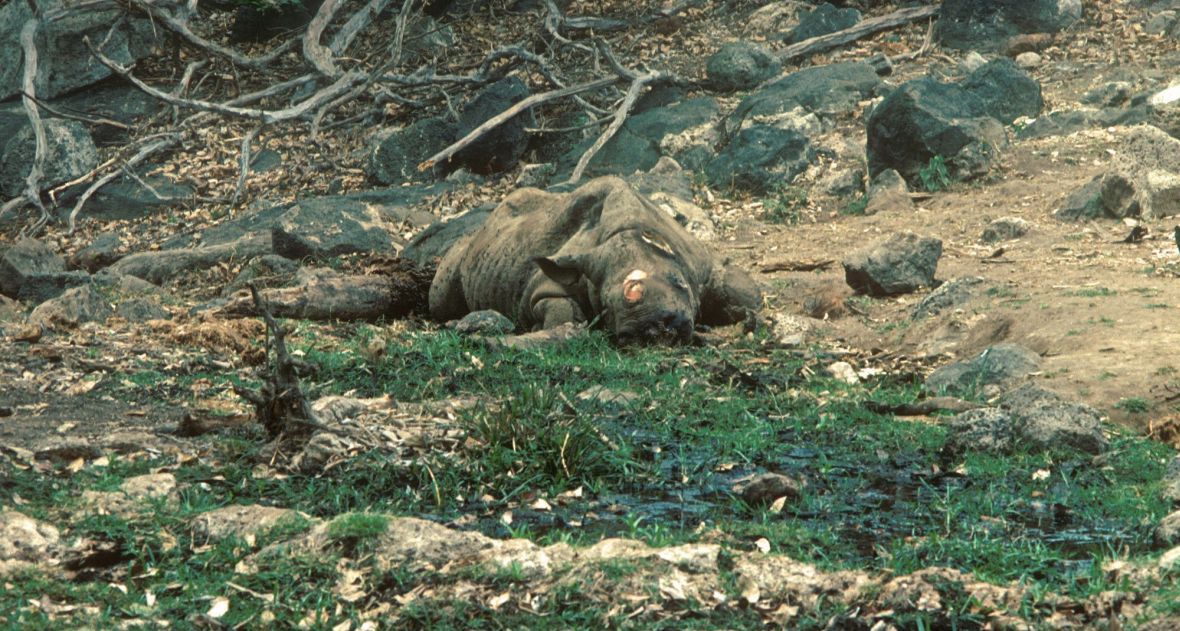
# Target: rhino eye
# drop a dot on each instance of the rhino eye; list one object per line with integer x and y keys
{"x": 677, "y": 282}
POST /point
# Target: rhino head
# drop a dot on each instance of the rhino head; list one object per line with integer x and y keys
{"x": 635, "y": 283}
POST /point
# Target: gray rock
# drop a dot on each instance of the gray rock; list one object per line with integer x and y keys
{"x": 112, "y": 99}
{"x": 984, "y": 429}
{"x": 433, "y": 242}
{"x": 898, "y": 264}
{"x": 141, "y": 310}
{"x": 925, "y": 118}
{"x": 397, "y": 153}
{"x": 1028, "y": 396}
{"x": 1162, "y": 23}
{"x": 1149, "y": 148}
{"x": 101, "y": 252}
{"x": 161, "y": 266}
{"x": 822, "y": 20}
{"x": 764, "y": 488}
{"x": 1001, "y": 364}
{"x": 1004, "y": 229}
{"x": 827, "y": 90}
{"x": 949, "y": 295}
{"x": 740, "y": 66}
{"x": 1125, "y": 193}
{"x": 125, "y": 198}
{"x": 71, "y": 153}
{"x": 1109, "y": 94}
{"x": 485, "y": 322}
{"x": 262, "y": 21}
{"x": 1171, "y": 481}
{"x": 1006, "y": 91}
{"x": 637, "y": 147}
{"x": 23, "y": 259}
{"x": 1163, "y": 110}
{"x": 268, "y": 270}
{"x": 1055, "y": 425}
{"x": 888, "y": 192}
{"x": 65, "y": 63}
{"x": 26, "y": 542}
{"x": 1167, "y": 532}
{"x": 323, "y": 227}
{"x": 844, "y": 182}
{"x": 38, "y": 288}
{"x": 1028, "y": 60}
{"x": 1066, "y": 122}
{"x": 970, "y": 24}
{"x": 73, "y": 307}
{"x": 760, "y": 159}
{"x": 501, "y": 148}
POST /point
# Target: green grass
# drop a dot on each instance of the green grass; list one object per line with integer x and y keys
{"x": 934, "y": 176}
{"x": 879, "y": 492}
{"x": 785, "y": 205}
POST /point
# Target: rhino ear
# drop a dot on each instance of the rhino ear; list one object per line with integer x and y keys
{"x": 564, "y": 270}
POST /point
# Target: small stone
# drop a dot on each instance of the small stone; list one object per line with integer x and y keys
{"x": 1167, "y": 533}
{"x": 898, "y": 264}
{"x": 971, "y": 62}
{"x": 844, "y": 372}
{"x": 23, "y": 259}
{"x": 1171, "y": 482}
{"x": 1004, "y": 229}
{"x": 765, "y": 488}
{"x": 608, "y": 399}
{"x": 1028, "y": 60}
{"x": 1169, "y": 559}
{"x": 73, "y": 307}
{"x": 984, "y": 429}
{"x": 484, "y": 322}
{"x": 888, "y": 192}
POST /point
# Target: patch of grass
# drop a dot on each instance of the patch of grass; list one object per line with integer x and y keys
{"x": 1093, "y": 292}
{"x": 1133, "y": 405}
{"x": 856, "y": 207}
{"x": 785, "y": 205}
{"x": 356, "y": 531}
{"x": 934, "y": 176}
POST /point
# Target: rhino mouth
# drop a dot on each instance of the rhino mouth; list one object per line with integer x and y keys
{"x": 668, "y": 329}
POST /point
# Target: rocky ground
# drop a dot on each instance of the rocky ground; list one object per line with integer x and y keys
{"x": 1048, "y": 233}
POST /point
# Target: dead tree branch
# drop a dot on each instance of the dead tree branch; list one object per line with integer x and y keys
{"x": 244, "y": 169}
{"x": 633, "y": 92}
{"x": 357, "y": 23}
{"x": 864, "y": 28}
{"x": 507, "y": 115}
{"x": 32, "y": 192}
{"x": 132, "y": 162}
{"x": 267, "y": 117}
{"x": 316, "y": 54}
{"x": 180, "y": 27}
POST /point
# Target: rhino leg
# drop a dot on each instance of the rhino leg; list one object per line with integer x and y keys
{"x": 447, "y": 301}
{"x": 728, "y": 296}
{"x": 551, "y": 312}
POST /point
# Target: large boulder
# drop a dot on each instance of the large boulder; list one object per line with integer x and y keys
{"x": 1125, "y": 192}
{"x": 640, "y": 142}
{"x": 71, "y": 153}
{"x": 760, "y": 159}
{"x": 397, "y": 153}
{"x": 901, "y": 263}
{"x": 75, "y": 306}
{"x": 740, "y": 66}
{"x": 822, "y": 20}
{"x": 1006, "y": 91}
{"x": 499, "y": 149}
{"x": 65, "y": 63}
{"x": 976, "y": 25}
{"x": 23, "y": 260}
{"x": 826, "y": 90}
{"x": 926, "y": 118}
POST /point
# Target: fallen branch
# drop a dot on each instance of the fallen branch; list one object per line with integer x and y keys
{"x": 862, "y": 29}
{"x": 180, "y": 27}
{"x": 357, "y": 23}
{"x": 796, "y": 266}
{"x": 244, "y": 166}
{"x": 329, "y": 296}
{"x": 507, "y": 115}
{"x": 131, "y": 163}
{"x": 279, "y": 404}
{"x": 925, "y": 407}
{"x": 633, "y": 92}
{"x": 267, "y": 117}
{"x": 318, "y": 55}
{"x": 32, "y": 192}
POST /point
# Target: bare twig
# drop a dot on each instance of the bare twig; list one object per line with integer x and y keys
{"x": 357, "y": 23}
{"x": 33, "y": 181}
{"x": 318, "y": 55}
{"x": 861, "y": 29}
{"x": 267, "y": 117}
{"x": 244, "y": 169}
{"x": 507, "y": 115}
{"x": 89, "y": 120}
{"x": 633, "y": 92}
{"x": 131, "y": 163}
{"x": 180, "y": 27}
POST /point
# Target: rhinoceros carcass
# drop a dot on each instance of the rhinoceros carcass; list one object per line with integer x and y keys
{"x": 602, "y": 253}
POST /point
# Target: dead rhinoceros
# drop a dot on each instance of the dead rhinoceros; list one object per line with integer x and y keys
{"x": 602, "y": 252}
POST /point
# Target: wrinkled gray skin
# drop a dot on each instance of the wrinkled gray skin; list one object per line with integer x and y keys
{"x": 600, "y": 253}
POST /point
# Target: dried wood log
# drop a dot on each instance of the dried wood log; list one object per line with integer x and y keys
{"x": 864, "y": 28}
{"x": 331, "y": 296}
{"x": 924, "y": 407}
